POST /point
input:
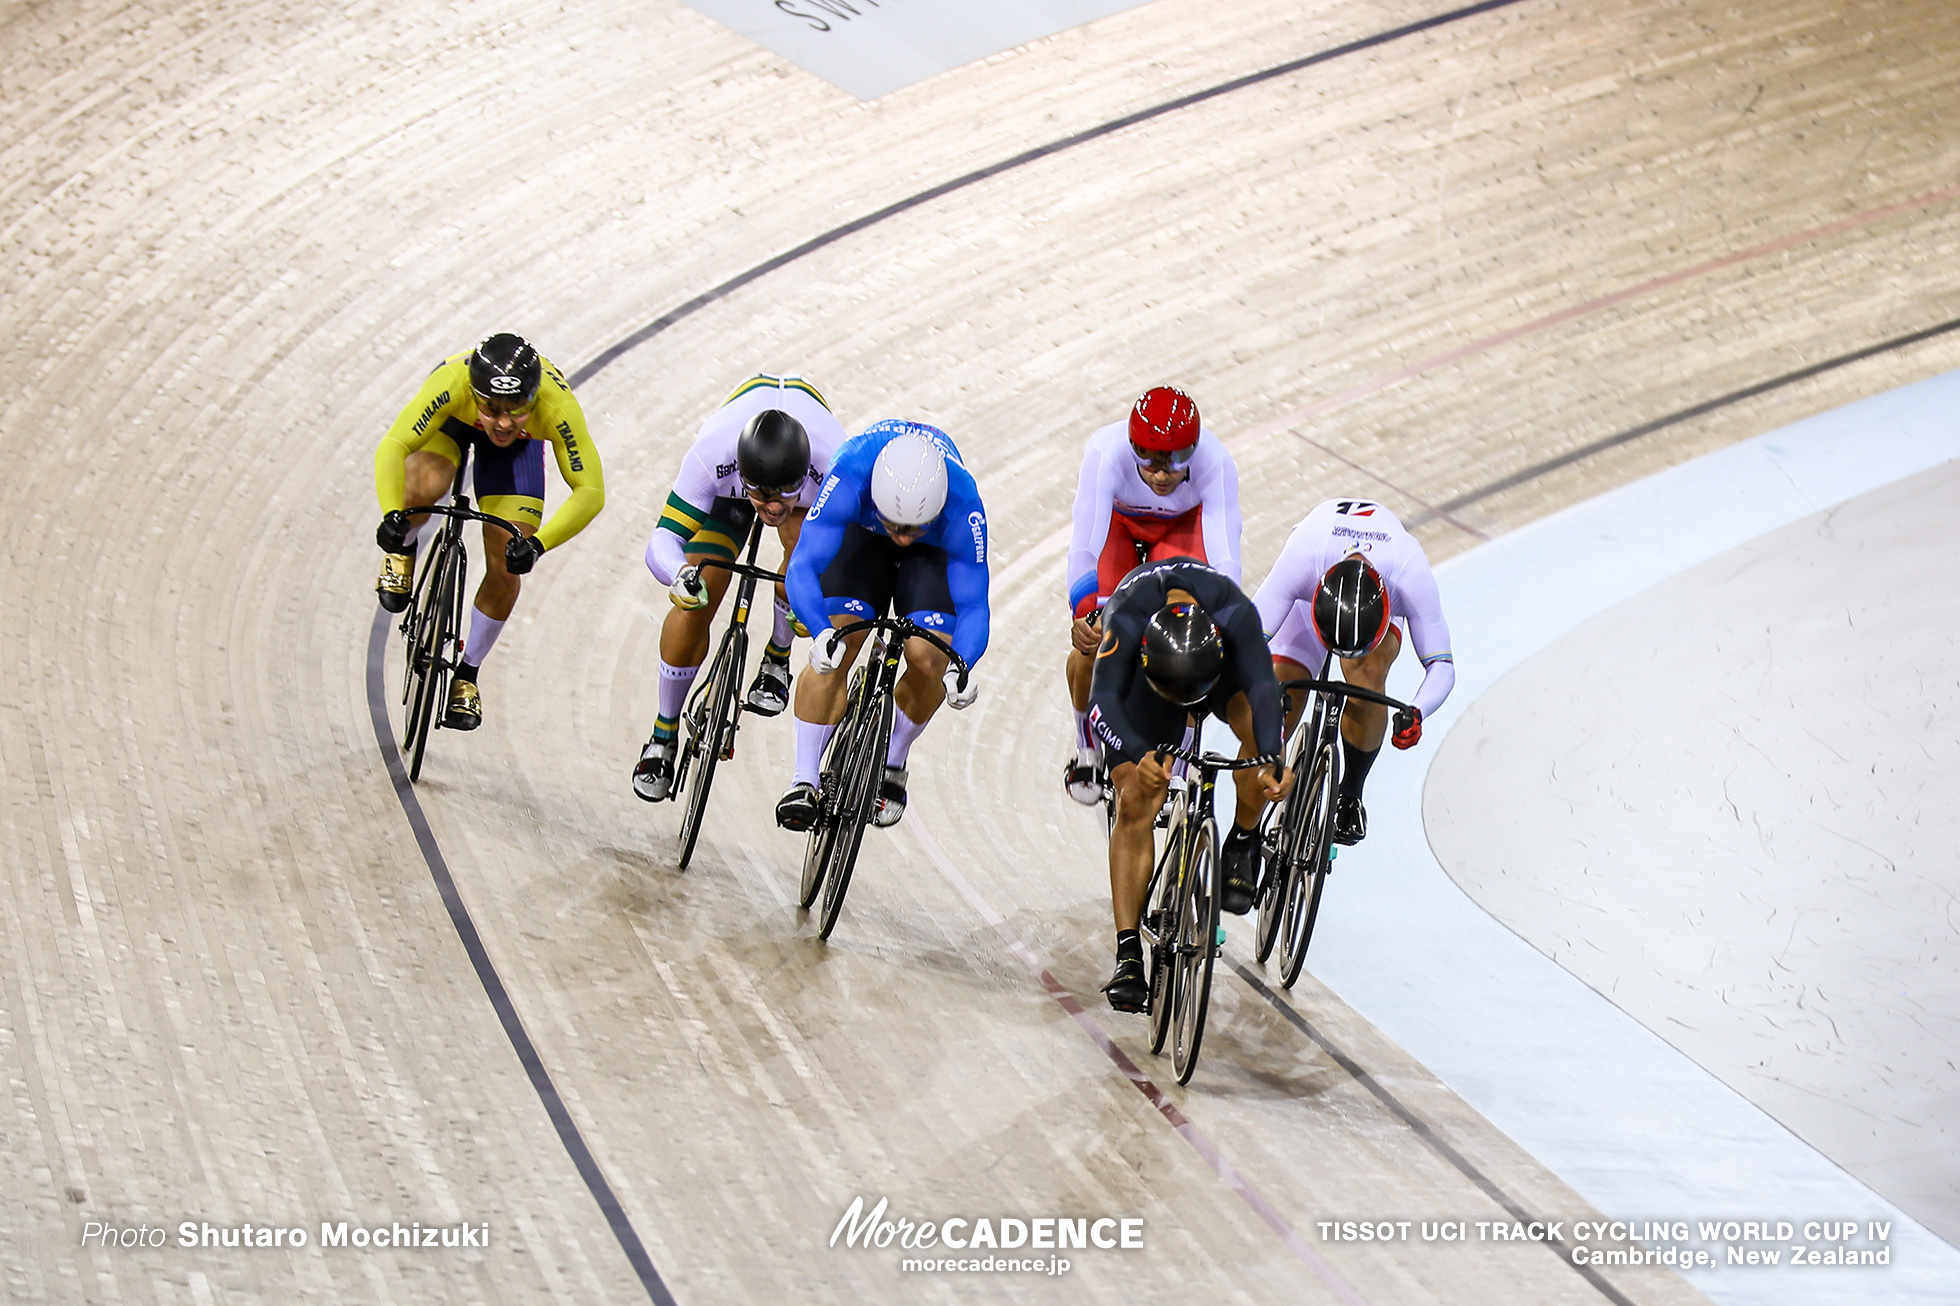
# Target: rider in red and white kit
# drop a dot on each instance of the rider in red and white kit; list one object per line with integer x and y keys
{"x": 1157, "y": 485}
{"x": 1351, "y": 578}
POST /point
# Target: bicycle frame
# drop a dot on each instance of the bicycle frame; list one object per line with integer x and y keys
{"x": 1179, "y": 926}
{"x": 854, "y": 762}
{"x": 432, "y": 623}
{"x": 1296, "y": 838}
{"x": 713, "y": 713}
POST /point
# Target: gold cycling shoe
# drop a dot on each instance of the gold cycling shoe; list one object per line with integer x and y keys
{"x": 465, "y": 709}
{"x": 397, "y": 578}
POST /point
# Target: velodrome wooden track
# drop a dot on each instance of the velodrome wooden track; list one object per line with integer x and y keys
{"x": 236, "y": 234}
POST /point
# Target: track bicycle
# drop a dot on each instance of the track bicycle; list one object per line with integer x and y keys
{"x": 854, "y": 763}
{"x": 1180, "y": 917}
{"x": 1296, "y": 835}
{"x": 714, "y": 710}
{"x": 432, "y": 624}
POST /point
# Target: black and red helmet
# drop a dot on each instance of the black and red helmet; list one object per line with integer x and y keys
{"x": 1350, "y": 609}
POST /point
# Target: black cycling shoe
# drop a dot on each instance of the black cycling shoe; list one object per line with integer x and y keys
{"x": 1350, "y": 820}
{"x": 891, "y": 798}
{"x": 1127, "y": 989}
{"x": 653, "y": 774}
{"x": 769, "y": 695}
{"x": 1241, "y": 866}
{"x": 797, "y": 809}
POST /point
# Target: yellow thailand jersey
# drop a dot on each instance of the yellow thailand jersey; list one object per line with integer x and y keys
{"x": 444, "y": 410}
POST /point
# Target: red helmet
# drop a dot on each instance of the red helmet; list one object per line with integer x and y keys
{"x": 1164, "y": 420}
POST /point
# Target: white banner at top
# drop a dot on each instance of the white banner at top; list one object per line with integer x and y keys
{"x": 870, "y": 47}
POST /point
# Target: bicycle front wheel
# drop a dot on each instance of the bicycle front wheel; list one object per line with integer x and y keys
{"x": 436, "y": 630}
{"x": 710, "y": 727}
{"x": 1159, "y": 930}
{"x": 1277, "y": 830}
{"x": 1312, "y": 855}
{"x": 864, "y": 774}
{"x": 1197, "y": 947}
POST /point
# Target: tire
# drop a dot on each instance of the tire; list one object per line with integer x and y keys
{"x": 1160, "y": 907}
{"x": 816, "y": 851}
{"x": 1312, "y": 856}
{"x": 710, "y": 728}
{"x": 1197, "y": 947}
{"x": 1276, "y": 837}
{"x": 437, "y": 632}
{"x": 864, "y": 774}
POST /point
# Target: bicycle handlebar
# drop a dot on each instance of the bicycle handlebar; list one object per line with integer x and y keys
{"x": 906, "y": 628}
{"x": 739, "y": 568}
{"x": 1219, "y": 762}
{"x": 466, "y": 514}
{"x": 1344, "y": 689}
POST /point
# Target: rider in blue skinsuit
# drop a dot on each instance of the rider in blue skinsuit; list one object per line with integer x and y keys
{"x": 898, "y": 526}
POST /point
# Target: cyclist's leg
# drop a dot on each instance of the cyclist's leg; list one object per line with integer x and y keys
{"x": 768, "y": 694}
{"x": 686, "y": 633}
{"x": 1239, "y": 857}
{"x": 427, "y": 476}
{"x": 857, "y": 585}
{"x": 920, "y": 593}
{"x": 1363, "y": 725}
{"x": 510, "y": 485}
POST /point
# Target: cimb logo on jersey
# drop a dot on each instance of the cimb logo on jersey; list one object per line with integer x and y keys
{"x": 868, "y": 1229}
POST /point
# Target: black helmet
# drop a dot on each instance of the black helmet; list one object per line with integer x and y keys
{"x": 1182, "y": 653}
{"x": 774, "y": 452}
{"x": 1350, "y": 609}
{"x": 504, "y": 370}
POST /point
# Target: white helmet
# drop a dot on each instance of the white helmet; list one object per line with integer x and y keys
{"x": 908, "y": 482}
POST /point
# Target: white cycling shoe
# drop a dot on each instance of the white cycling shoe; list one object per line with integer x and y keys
{"x": 1083, "y": 777}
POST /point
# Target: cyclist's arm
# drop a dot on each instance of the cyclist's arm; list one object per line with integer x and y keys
{"x": 816, "y": 546}
{"x": 966, "y": 582}
{"x": 688, "y": 505}
{"x": 1291, "y": 580}
{"x": 1431, "y": 636}
{"x": 1095, "y": 499}
{"x": 578, "y": 464}
{"x": 1252, "y": 663}
{"x": 1114, "y": 675}
{"x": 1220, "y": 518}
{"x": 412, "y": 428}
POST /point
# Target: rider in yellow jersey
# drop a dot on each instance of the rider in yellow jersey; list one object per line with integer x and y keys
{"x": 507, "y": 402}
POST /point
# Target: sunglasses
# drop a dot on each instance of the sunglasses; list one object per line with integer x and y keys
{"x": 763, "y": 494}
{"x": 492, "y": 407}
{"x": 1156, "y": 460}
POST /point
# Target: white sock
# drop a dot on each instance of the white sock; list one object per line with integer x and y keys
{"x": 811, "y": 736}
{"x": 1083, "y": 739}
{"x": 483, "y": 637}
{"x": 783, "y": 632}
{"x": 904, "y": 731}
{"x": 674, "y": 684}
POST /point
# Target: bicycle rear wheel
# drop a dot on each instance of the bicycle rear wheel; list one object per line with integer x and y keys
{"x": 710, "y": 724}
{"x": 1312, "y": 856}
{"x": 864, "y": 774}
{"x": 1197, "y": 946}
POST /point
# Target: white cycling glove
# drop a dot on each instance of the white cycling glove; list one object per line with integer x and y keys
{"x": 960, "y": 695}
{"x": 687, "y": 590}
{"x": 826, "y": 651}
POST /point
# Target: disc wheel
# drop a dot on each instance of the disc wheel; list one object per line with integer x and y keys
{"x": 1197, "y": 947}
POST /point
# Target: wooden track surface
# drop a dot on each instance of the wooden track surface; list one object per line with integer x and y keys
{"x": 238, "y": 234}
